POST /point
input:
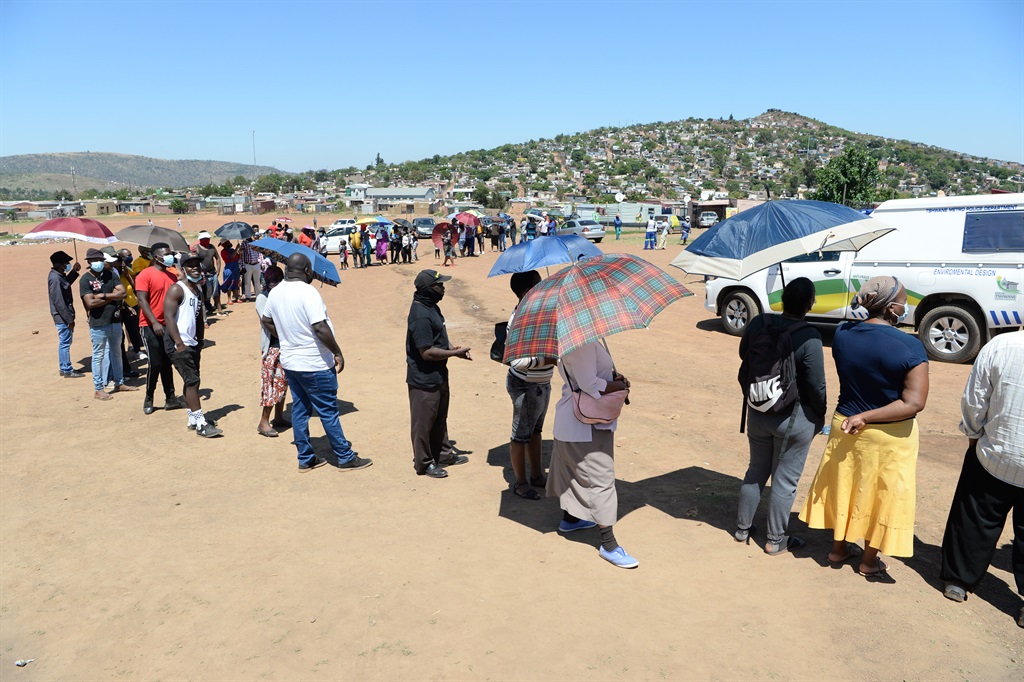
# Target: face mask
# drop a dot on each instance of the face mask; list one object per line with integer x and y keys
{"x": 192, "y": 279}
{"x": 67, "y": 268}
{"x": 96, "y": 266}
{"x": 204, "y": 242}
{"x": 168, "y": 261}
{"x": 900, "y": 318}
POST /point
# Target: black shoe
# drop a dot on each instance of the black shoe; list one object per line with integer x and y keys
{"x": 174, "y": 403}
{"x": 147, "y": 405}
{"x": 454, "y": 460}
{"x": 356, "y": 462}
{"x": 211, "y": 422}
{"x": 316, "y": 463}
{"x": 72, "y": 375}
{"x": 434, "y": 471}
{"x": 208, "y": 430}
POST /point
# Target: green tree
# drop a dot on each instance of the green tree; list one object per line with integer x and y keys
{"x": 63, "y": 195}
{"x": 850, "y": 178}
{"x": 240, "y": 181}
{"x": 178, "y": 206}
{"x": 481, "y": 194}
{"x": 719, "y": 157}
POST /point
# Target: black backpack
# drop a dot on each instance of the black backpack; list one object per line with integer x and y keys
{"x": 768, "y": 372}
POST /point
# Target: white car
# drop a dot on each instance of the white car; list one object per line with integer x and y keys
{"x": 336, "y": 234}
{"x": 344, "y": 222}
{"x": 590, "y": 229}
{"x": 707, "y": 219}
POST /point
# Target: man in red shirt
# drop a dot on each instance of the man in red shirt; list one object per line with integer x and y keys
{"x": 306, "y": 236}
{"x": 151, "y": 287}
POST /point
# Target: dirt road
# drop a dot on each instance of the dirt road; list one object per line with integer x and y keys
{"x": 131, "y": 549}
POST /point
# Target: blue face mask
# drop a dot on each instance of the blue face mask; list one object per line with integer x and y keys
{"x": 67, "y": 268}
{"x": 900, "y": 318}
{"x": 193, "y": 279}
{"x": 96, "y": 266}
{"x": 168, "y": 260}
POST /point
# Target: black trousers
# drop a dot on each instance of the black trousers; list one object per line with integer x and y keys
{"x": 976, "y": 520}
{"x": 130, "y": 319}
{"x": 159, "y": 364}
{"x": 428, "y": 411}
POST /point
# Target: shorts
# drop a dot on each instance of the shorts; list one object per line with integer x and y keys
{"x": 529, "y": 405}
{"x": 187, "y": 363}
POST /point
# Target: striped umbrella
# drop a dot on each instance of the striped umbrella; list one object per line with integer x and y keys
{"x": 588, "y": 301}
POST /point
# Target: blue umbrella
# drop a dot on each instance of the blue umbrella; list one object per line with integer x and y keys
{"x": 323, "y": 269}
{"x": 540, "y": 253}
{"x": 774, "y": 232}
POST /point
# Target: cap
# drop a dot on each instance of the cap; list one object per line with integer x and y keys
{"x": 59, "y": 257}
{"x": 429, "y": 277}
{"x": 94, "y": 254}
{"x": 204, "y": 235}
{"x": 109, "y": 254}
{"x": 187, "y": 256}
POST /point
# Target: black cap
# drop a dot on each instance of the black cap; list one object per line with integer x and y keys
{"x": 60, "y": 257}
{"x": 427, "y": 278}
{"x": 187, "y": 256}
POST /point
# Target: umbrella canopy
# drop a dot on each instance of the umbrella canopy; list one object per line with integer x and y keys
{"x": 467, "y": 218}
{"x": 283, "y": 219}
{"x": 147, "y": 235}
{"x": 505, "y": 216}
{"x": 586, "y": 302}
{"x": 81, "y": 229}
{"x": 235, "y": 230}
{"x": 540, "y": 253}
{"x": 437, "y": 236}
{"x": 403, "y": 222}
{"x": 372, "y": 220}
{"x": 323, "y": 269}
{"x": 776, "y": 231}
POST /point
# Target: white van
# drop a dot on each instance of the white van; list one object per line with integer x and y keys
{"x": 961, "y": 260}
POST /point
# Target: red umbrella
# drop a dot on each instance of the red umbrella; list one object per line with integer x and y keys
{"x": 437, "y": 236}
{"x": 84, "y": 229}
{"x": 468, "y": 219}
{"x": 283, "y": 219}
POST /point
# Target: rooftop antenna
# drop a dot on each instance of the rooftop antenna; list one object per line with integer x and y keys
{"x": 74, "y": 184}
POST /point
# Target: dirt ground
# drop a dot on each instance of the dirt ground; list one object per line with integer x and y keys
{"x": 131, "y": 549}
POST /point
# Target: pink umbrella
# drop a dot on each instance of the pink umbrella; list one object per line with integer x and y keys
{"x": 283, "y": 219}
{"x": 83, "y": 229}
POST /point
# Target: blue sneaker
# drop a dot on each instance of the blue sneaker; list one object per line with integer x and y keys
{"x": 619, "y": 558}
{"x": 566, "y": 527}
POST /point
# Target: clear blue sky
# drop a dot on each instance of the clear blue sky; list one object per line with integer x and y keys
{"x": 330, "y": 84}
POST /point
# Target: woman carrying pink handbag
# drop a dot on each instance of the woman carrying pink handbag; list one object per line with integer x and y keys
{"x": 582, "y": 473}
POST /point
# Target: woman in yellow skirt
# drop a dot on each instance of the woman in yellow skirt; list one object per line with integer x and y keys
{"x": 865, "y": 485}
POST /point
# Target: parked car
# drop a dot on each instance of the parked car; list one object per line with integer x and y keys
{"x": 344, "y": 222}
{"x": 424, "y": 227}
{"x": 589, "y": 229}
{"x": 707, "y": 219}
{"x": 960, "y": 259}
{"x": 336, "y": 234}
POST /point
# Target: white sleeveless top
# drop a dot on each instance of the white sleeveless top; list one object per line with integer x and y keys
{"x": 188, "y": 313}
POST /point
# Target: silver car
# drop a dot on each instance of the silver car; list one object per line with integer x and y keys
{"x": 589, "y": 229}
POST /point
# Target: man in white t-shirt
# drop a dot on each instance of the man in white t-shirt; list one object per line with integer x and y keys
{"x": 651, "y": 234}
{"x": 311, "y": 359}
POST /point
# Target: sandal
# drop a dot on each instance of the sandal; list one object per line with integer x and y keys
{"x": 539, "y": 481}
{"x": 853, "y": 551}
{"x": 787, "y": 544}
{"x": 269, "y": 434}
{"x": 743, "y": 534}
{"x": 530, "y": 493}
{"x": 879, "y": 575}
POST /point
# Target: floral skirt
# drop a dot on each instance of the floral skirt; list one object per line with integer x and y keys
{"x": 274, "y": 383}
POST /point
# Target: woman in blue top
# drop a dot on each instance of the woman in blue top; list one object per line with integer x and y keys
{"x": 865, "y": 484}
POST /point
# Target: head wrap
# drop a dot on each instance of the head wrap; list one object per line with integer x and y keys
{"x": 876, "y": 294}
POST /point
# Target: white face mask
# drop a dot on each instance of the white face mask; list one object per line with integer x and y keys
{"x": 900, "y": 318}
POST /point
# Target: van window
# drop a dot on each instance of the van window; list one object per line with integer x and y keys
{"x": 994, "y": 231}
{"x": 815, "y": 257}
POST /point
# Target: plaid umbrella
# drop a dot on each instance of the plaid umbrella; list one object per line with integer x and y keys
{"x": 587, "y": 301}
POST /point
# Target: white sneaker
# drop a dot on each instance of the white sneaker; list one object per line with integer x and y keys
{"x": 142, "y": 356}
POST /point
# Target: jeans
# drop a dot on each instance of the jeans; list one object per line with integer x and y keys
{"x": 106, "y": 342}
{"x": 649, "y": 238}
{"x": 766, "y": 434}
{"x": 64, "y": 336}
{"x": 317, "y": 391}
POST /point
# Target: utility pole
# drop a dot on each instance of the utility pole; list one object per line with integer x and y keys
{"x": 254, "y": 147}
{"x": 74, "y": 184}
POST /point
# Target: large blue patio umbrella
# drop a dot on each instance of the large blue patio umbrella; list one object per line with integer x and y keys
{"x": 776, "y": 231}
{"x": 323, "y": 269}
{"x": 540, "y": 253}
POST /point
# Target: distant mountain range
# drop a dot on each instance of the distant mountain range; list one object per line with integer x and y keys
{"x": 102, "y": 171}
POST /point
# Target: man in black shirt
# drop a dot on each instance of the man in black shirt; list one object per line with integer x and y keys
{"x": 427, "y": 351}
{"x": 62, "y": 276}
{"x": 102, "y": 293}
{"x": 212, "y": 265}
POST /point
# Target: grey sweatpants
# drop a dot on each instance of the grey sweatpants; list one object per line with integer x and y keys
{"x": 765, "y": 433}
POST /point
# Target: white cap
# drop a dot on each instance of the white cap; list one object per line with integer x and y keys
{"x": 108, "y": 258}
{"x": 205, "y": 235}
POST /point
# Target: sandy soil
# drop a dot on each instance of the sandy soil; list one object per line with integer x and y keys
{"x": 132, "y": 549}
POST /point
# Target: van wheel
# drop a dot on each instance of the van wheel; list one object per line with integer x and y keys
{"x": 738, "y": 309}
{"x": 598, "y": 240}
{"x": 950, "y": 333}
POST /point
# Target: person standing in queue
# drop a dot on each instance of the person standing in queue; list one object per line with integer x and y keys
{"x": 62, "y": 310}
{"x": 427, "y": 350}
{"x": 211, "y": 267}
{"x": 151, "y": 287}
{"x": 102, "y": 293}
{"x": 183, "y": 339}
